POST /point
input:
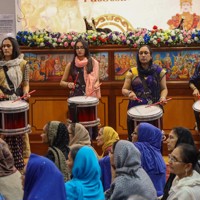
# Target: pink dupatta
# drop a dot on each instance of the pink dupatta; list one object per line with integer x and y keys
{"x": 91, "y": 78}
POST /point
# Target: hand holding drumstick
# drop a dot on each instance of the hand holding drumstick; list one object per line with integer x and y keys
{"x": 95, "y": 88}
{"x": 24, "y": 96}
{"x": 132, "y": 96}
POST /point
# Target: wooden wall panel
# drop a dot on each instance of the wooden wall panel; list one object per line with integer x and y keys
{"x": 121, "y": 114}
{"x": 179, "y": 112}
{"x": 42, "y": 110}
{"x": 103, "y": 111}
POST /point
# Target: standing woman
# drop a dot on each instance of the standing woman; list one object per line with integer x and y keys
{"x": 147, "y": 82}
{"x": 14, "y": 82}
{"x": 84, "y": 71}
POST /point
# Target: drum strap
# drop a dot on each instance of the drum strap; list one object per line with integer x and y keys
{"x": 146, "y": 91}
{"x": 73, "y": 109}
{"x": 11, "y": 86}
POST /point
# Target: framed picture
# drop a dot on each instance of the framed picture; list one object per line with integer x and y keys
{"x": 123, "y": 61}
{"x": 47, "y": 67}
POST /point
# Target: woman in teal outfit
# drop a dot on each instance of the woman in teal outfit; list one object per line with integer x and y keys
{"x": 86, "y": 183}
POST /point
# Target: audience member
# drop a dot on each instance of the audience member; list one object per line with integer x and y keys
{"x": 42, "y": 180}
{"x": 177, "y": 135}
{"x": 78, "y": 134}
{"x": 106, "y": 137}
{"x": 10, "y": 177}
{"x": 85, "y": 183}
{"x": 56, "y": 135}
{"x": 148, "y": 142}
{"x": 186, "y": 184}
{"x": 130, "y": 177}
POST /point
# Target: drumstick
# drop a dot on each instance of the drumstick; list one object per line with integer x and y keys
{"x": 157, "y": 103}
{"x": 2, "y": 96}
{"x": 23, "y": 96}
{"x": 93, "y": 90}
{"x": 140, "y": 100}
{"x": 75, "y": 81}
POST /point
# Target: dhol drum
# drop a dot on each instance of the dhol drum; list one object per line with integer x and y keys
{"x": 83, "y": 110}
{"x": 145, "y": 113}
{"x": 13, "y": 117}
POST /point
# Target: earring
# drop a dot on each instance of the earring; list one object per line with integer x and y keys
{"x": 186, "y": 172}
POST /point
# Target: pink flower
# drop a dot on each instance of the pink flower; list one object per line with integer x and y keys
{"x": 72, "y": 44}
{"x": 135, "y": 45}
{"x": 65, "y": 44}
{"x": 69, "y": 37}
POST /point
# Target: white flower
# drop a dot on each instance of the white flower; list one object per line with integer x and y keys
{"x": 170, "y": 40}
{"x": 155, "y": 42}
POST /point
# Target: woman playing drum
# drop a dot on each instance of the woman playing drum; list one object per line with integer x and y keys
{"x": 84, "y": 71}
{"x": 14, "y": 76}
{"x": 194, "y": 83}
{"x": 144, "y": 84}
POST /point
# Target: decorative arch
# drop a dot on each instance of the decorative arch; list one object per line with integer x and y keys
{"x": 113, "y": 20}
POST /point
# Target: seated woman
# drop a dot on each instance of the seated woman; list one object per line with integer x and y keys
{"x": 10, "y": 177}
{"x": 147, "y": 138}
{"x": 42, "y": 180}
{"x": 130, "y": 177}
{"x": 106, "y": 137}
{"x": 86, "y": 183}
{"x": 186, "y": 184}
{"x": 78, "y": 134}
{"x": 56, "y": 135}
{"x": 177, "y": 135}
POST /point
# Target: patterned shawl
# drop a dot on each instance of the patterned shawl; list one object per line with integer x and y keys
{"x": 7, "y": 160}
{"x": 81, "y": 136}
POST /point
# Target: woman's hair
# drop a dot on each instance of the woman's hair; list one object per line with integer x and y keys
{"x": 74, "y": 150}
{"x": 184, "y": 136}
{"x": 87, "y": 55}
{"x": 137, "y": 58}
{"x": 189, "y": 154}
{"x": 15, "y": 45}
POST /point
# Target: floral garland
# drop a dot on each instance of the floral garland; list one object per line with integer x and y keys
{"x": 156, "y": 37}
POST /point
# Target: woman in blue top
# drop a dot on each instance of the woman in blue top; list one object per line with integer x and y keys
{"x": 147, "y": 138}
{"x": 42, "y": 180}
{"x": 86, "y": 183}
{"x": 146, "y": 81}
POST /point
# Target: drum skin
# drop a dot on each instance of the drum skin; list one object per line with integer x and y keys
{"x": 196, "y": 106}
{"x": 145, "y": 113}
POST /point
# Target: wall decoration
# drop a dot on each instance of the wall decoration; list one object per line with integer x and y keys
{"x": 180, "y": 65}
{"x": 123, "y": 61}
{"x": 50, "y": 67}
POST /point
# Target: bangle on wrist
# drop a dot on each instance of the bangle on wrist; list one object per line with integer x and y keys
{"x": 129, "y": 92}
{"x": 194, "y": 88}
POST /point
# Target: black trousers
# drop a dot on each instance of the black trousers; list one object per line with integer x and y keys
{"x": 197, "y": 118}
